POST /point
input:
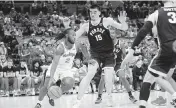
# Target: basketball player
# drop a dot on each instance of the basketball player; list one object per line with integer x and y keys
{"x": 120, "y": 52}
{"x": 62, "y": 62}
{"x": 164, "y": 19}
{"x": 61, "y": 67}
{"x": 101, "y": 49}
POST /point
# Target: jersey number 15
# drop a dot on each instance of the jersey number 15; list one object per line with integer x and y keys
{"x": 173, "y": 17}
{"x": 98, "y": 37}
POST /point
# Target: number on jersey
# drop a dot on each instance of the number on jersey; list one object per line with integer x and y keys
{"x": 98, "y": 37}
{"x": 173, "y": 17}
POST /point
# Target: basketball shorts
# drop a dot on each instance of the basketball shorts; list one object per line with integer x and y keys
{"x": 161, "y": 64}
{"x": 106, "y": 58}
{"x": 62, "y": 73}
{"x": 117, "y": 66}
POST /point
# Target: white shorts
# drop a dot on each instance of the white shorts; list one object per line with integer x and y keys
{"x": 60, "y": 73}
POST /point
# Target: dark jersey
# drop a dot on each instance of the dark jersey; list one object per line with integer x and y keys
{"x": 37, "y": 71}
{"x": 22, "y": 70}
{"x": 166, "y": 27}
{"x": 99, "y": 38}
{"x": 10, "y": 71}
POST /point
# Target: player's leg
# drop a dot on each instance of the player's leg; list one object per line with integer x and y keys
{"x": 6, "y": 82}
{"x": 121, "y": 74}
{"x": 108, "y": 65}
{"x": 85, "y": 82}
{"x": 101, "y": 86}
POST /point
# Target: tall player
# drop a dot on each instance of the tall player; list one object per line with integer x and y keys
{"x": 61, "y": 66}
{"x": 101, "y": 49}
{"x": 165, "y": 21}
{"x": 120, "y": 53}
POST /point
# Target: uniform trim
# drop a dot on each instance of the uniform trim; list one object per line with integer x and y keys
{"x": 154, "y": 70}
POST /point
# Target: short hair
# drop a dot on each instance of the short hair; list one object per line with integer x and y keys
{"x": 95, "y": 6}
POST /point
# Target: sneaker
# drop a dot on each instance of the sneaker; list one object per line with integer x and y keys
{"x": 142, "y": 106}
{"x": 7, "y": 94}
{"x": 159, "y": 101}
{"x": 15, "y": 93}
{"x": 38, "y": 105}
{"x": 98, "y": 101}
{"x": 109, "y": 101}
{"x": 2, "y": 93}
{"x": 51, "y": 101}
{"x": 77, "y": 104}
{"x": 132, "y": 99}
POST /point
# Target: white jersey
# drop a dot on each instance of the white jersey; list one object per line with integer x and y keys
{"x": 64, "y": 67}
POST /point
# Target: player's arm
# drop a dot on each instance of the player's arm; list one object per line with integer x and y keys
{"x": 122, "y": 25}
{"x": 147, "y": 27}
{"x": 82, "y": 30}
{"x": 58, "y": 53}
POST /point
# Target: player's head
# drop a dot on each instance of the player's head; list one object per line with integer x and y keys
{"x": 169, "y": 2}
{"x": 94, "y": 11}
{"x": 70, "y": 35}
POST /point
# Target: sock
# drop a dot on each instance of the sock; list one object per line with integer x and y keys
{"x": 99, "y": 95}
{"x": 130, "y": 94}
{"x": 145, "y": 91}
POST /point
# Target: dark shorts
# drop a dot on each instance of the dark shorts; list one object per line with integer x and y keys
{"x": 162, "y": 63}
{"x": 106, "y": 58}
{"x": 117, "y": 66}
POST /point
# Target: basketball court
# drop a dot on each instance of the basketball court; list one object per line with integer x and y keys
{"x": 121, "y": 101}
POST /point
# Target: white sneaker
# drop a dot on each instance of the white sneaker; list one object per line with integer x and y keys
{"x": 110, "y": 101}
{"x": 77, "y": 104}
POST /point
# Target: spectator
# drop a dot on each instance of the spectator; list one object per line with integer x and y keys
{"x": 10, "y": 77}
{"x": 36, "y": 74}
{"x": 1, "y": 81}
{"x": 137, "y": 73}
{"x": 23, "y": 77}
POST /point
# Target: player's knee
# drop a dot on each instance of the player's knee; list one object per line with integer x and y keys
{"x": 67, "y": 84}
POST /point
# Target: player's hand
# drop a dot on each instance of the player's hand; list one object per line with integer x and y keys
{"x": 122, "y": 17}
{"x": 127, "y": 59}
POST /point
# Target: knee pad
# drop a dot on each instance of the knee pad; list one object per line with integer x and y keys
{"x": 67, "y": 84}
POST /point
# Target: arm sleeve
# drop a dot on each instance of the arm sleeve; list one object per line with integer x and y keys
{"x": 147, "y": 28}
{"x": 142, "y": 33}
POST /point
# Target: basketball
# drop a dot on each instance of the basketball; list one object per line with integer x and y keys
{"x": 67, "y": 84}
{"x": 54, "y": 92}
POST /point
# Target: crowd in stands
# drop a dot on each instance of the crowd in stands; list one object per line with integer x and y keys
{"x": 28, "y": 42}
